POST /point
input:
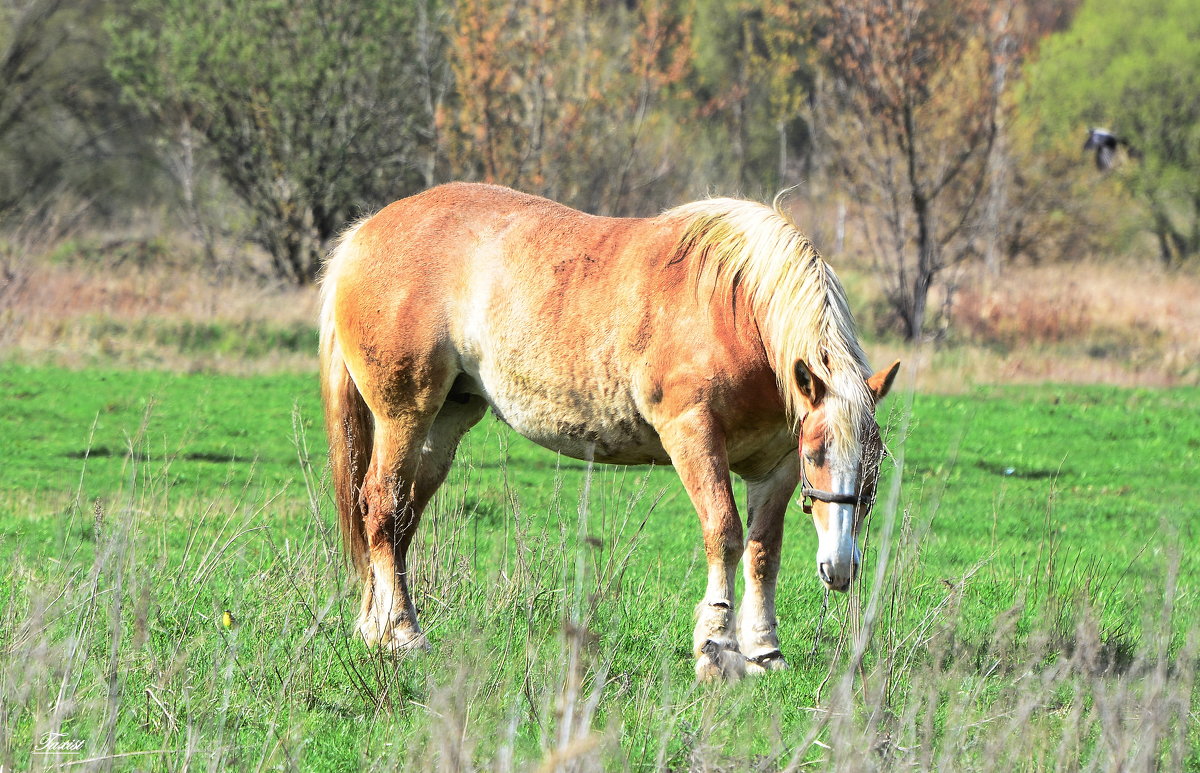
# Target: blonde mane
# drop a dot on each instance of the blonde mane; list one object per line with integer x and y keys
{"x": 795, "y": 297}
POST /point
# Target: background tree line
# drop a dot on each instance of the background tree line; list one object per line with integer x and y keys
{"x": 950, "y": 131}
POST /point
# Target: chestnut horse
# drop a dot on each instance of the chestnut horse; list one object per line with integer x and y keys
{"x": 713, "y": 337}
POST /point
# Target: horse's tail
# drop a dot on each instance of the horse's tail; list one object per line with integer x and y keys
{"x": 348, "y": 424}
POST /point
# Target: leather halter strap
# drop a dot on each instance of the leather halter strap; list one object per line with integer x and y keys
{"x": 829, "y": 496}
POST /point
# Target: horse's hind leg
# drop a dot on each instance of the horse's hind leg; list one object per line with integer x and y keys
{"x": 389, "y": 618}
{"x": 767, "y": 500}
{"x": 418, "y": 468}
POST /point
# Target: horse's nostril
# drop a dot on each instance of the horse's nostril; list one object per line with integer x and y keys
{"x": 823, "y": 571}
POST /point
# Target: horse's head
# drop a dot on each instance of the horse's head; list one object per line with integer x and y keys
{"x": 838, "y": 479}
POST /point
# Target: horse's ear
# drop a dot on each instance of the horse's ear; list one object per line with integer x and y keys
{"x": 809, "y": 385}
{"x": 881, "y": 382}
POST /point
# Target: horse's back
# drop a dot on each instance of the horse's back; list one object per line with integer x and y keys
{"x": 463, "y": 235}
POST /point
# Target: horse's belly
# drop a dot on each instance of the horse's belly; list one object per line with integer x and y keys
{"x": 579, "y": 422}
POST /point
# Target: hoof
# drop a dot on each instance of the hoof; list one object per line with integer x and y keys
{"x": 407, "y": 643}
{"x": 395, "y": 640}
{"x": 368, "y": 630}
{"x": 720, "y": 661}
{"x": 771, "y": 660}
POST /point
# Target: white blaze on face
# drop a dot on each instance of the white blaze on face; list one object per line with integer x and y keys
{"x": 837, "y": 548}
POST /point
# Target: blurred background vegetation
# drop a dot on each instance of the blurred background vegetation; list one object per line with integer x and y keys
{"x": 934, "y": 146}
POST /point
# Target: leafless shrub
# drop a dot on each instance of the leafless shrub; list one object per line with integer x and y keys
{"x": 21, "y": 248}
{"x": 1014, "y": 319}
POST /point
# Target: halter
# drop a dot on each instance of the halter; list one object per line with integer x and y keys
{"x": 808, "y": 493}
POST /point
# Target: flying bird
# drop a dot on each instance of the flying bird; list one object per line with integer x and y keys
{"x": 1105, "y": 144}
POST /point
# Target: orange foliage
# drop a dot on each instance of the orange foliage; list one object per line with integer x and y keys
{"x": 552, "y": 94}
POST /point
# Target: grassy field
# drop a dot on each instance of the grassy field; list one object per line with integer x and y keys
{"x": 1029, "y": 601}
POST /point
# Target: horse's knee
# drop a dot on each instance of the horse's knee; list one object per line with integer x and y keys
{"x": 723, "y": 544}
{"x": 389, "y": 514}
{"x": 761, "y": 561}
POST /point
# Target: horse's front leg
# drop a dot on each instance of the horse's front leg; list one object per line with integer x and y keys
{"x": 766, "y": 503}
{"x": 697, "y": 450}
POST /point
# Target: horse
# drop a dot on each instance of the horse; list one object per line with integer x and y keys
{"x": 712, "y": 337}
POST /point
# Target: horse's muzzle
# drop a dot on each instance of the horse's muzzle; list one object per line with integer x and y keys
{"x": 839, "y": 583}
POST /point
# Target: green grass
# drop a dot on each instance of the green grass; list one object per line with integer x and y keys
{"x": 1038, "y": 582}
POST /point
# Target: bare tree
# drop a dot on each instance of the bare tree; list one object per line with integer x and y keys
{"x": 913, "y": 84}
